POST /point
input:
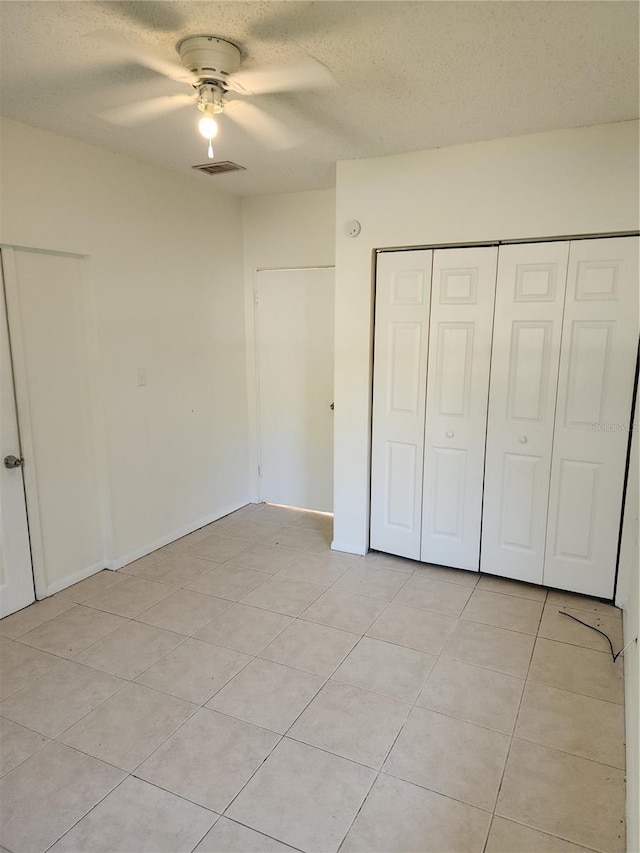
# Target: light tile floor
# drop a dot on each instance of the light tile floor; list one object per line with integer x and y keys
{"x": 246, "y": 689}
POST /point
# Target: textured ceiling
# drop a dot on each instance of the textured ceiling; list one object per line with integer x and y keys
{"x": 412, "y": 75}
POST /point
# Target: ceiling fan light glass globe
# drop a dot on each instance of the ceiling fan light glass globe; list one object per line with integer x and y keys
{"x": 208, "y": 127}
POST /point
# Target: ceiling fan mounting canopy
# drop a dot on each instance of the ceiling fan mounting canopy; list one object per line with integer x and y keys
{"x": 210, "y": 58}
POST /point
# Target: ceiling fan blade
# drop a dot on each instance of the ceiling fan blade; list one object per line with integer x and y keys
{"x": 142, "y": 111}
{"x": 172, "y": 70}
{"x": 265, "y": 128}
{"x": 307, "y": 73}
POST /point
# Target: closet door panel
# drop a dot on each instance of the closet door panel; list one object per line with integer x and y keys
{"x": 524, "y": 376}
{"x": 403, "y": 286}
{"x": 462, "y": 302}
{"x": 600, "y": 338}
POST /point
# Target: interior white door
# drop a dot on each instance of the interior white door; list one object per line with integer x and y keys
{"x": 522, "y": 400}
{"x": 597, "y": 365}
{"x": 50, "y": 325}
{"x": 462, "y": 301}
{"x": 403, "y": 292}
{"x": 295, "y": 332}
{"x": 16, "y": 576}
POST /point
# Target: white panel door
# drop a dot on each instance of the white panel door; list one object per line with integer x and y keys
{"x": 597, "y": 366}
{"x": 403, "y": 284}
{"x": 463, "y": 287}
{"x": 295, "y": 323}
{"x": 50, "y": 322}
{"x": 16, "y": 577}
{"x": 524, "y": 377}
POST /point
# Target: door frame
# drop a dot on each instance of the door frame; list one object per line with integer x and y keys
{"x": 253, "y": 386}
{"x": 27, "y": 439}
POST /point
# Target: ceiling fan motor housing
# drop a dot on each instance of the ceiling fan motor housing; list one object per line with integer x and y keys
{"x": 210, "y": 57}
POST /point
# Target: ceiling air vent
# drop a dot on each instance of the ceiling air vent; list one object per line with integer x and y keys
{"x": 219, "y": 168}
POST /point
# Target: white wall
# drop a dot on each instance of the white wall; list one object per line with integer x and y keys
{"x": 281, "y": 231}
{"x": 166, "y": 265}
{"x": 628, "y": 597}
{"x": 561, "y": 183}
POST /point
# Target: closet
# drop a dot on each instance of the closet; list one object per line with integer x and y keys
{"x": 502, "y": 394}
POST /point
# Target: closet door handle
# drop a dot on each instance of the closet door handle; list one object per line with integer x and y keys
{"x": 449, "y": 433}
{"x": 523, "y": 439}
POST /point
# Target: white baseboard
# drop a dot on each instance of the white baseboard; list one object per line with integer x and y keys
{"x": 348, "y": 549}
{"x": 124, "y": 560}
{"x": 76, "y": 577}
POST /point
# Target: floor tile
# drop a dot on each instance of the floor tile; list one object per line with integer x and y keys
{"x": 177, "y": 570}
{"x": 245, "y": 629}
{"x": 572, "y": 723}
{"x": 315, "y": 568}
{"x": 277, "y": 514}
{"x": 351, "y": 722}
{"x": 303, "y": 797}
{"x": 492, "y": 583}
{"x": 386, "y": 668}
{"x": 344, "y": 610}
{"x": 508, "y": 837}
{"x": 281, "y": 595}
{"x": 450, "y": 756}
{"x": 249, "y": 528}
{"x": 17, "y": 744}
{"x": 416, "y": 629}
{"x": 209, "y": 759}
{"x": 313, "y": 648}
{"x": 264, "y": 558}
{"x": 130, "y": 649}
{"x": 184, "y": 612}
{"x": 430, "y": 594}
{"x": 60, "y": 698}
{"x": 73, "y": 631}
{"x": 218, "y": 547}
{"x": 493, "y": 648}
{"x": 44, "y": 796}
{"x": 194, "y": 671}
{"x": 302, "y": 539}
{"x": 21, "y": 665}
{"x": 99, "y": 582}
{"x": 138, "y": 816}
{"x": 401, "y": 817}
{"x": 378, "y": 559}
{"x": 128, "y": 726}
{"x": 227, "y": 581}
{"x": 142, "y": 563}
{"x": 554, "y": 626}
{"x": 130, "y": 598}
{"x": 504, "y": 611}
{"x": 31, "y": 617}
{"x": 267, "y": 694}
{"x": 474, "y": 694}
{"x": 578, "y": 670}
{"x": 227, "y": 836}
{"x": 560, "y": 794}
{"x": 447, "y": 575}
{"x": 583, "y": 602}
{"x": 371, "y": 581}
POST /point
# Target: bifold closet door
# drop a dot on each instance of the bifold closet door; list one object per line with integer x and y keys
{"x": 462, "y": 301}
{"x": 403, "y": 284}
{"x": 522, "y": 399}
{"x": 597, "y": 364}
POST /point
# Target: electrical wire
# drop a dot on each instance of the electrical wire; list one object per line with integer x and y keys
{"x": 614, "y": 655}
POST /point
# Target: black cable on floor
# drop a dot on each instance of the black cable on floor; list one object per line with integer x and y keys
{"x": 614, "y": 655}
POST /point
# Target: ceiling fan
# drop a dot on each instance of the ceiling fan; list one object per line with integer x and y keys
{"x": 211, "y": 66}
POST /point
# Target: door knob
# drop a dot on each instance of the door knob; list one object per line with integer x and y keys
{"x": 13, "y": 461}
{"x": 523, "y": 439}
{"x": 449, "y": 433}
